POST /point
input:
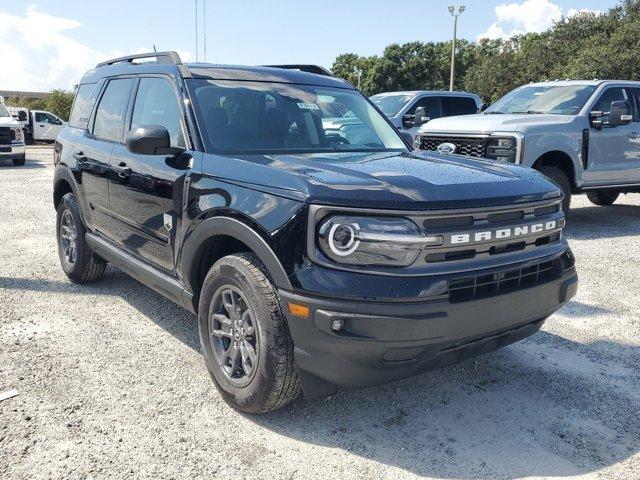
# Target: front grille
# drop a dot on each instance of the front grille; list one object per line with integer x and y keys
{"x": 454, "y": 225}
{"x": 493, "y": 284}
{"x": 6, "y": 135}
{"x": 468, "y": 146}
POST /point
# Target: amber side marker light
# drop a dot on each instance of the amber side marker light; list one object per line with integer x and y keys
{"x": 299, "y": 310}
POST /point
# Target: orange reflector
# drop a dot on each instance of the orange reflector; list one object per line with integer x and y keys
{"x": 299, "y": 310}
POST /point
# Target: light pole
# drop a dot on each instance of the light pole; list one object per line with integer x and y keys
{"x": 455, "y": 13}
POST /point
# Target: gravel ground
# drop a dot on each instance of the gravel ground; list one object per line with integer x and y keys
{"x": 112, "y": 385}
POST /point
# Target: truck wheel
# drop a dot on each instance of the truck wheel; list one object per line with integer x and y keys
{"x": 78, "y": 261}
{"x": 246, "y": 342}
{"x": 18, "y": 162}
{"x": 603, "y": 198}
{"x": 563, "y": 182}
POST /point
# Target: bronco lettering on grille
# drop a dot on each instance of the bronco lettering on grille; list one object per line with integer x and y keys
{"x": 503, "y": 233}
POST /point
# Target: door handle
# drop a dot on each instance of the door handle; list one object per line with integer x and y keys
{"x": 122, "y": 170}
{"x": 79, "y": 156}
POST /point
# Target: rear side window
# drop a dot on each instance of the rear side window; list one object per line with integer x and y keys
{"x": 156, "y": 104}
{"x": 82, "y": 105}
{"x": 459, "y": 106}
{"x": 112, "y": 109}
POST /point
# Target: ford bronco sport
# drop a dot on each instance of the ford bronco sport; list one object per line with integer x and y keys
{"x": 314, "y": 257}
{"x": 585, "y": 135}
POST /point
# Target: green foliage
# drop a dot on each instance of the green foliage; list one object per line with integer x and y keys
{"x": 585, "y": 46}
{"x": 58, "y": 102}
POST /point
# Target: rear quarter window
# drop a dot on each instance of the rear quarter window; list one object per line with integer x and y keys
{"x": 459, "y": 106}
{"x": 83, "y": 105}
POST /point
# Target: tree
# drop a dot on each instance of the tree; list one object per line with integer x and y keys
{"x": 585, "y": 46}
{"x": 59, "y": 103}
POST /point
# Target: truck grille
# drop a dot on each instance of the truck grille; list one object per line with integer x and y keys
{"x": 6, "y": 135}
{"x": 483, "y": 286}
{"x": 468, "y": 146}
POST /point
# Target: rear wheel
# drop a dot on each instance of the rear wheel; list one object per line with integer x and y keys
{"x": 76, "y": 258}
{"x": 18, "y": 162}
{"x": 246, "y": 342}
{"x": 563, "y": 182}
{"x": 603, "y": 198}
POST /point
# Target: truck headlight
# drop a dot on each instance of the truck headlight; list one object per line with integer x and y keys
{"x": 17, "y": 136}
{"x": 505, "y": 148}
{"x": 373, "y": 241}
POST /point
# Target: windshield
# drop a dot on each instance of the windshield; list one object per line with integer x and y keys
{"x": 559, "y": 100}
{"x": 391, "y": 104}
{"x": 3, "y": 111}
{"x": 239, "y": 116}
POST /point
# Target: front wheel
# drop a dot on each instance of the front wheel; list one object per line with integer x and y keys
{"x": 76, "y": 258}
{"x": 246, "y": 342}
{"x": 603, "y": 198}
{"x": 563, "y": 182}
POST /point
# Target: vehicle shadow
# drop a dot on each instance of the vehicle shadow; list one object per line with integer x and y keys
{"x": 546, "y": 406}
{"x": 587, "y": 223}
{"x": 30, "y": 164}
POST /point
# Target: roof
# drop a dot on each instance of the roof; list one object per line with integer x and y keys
{"x": 454, "y": 93}
{"x": 595, "y": 82}
{"x": 170, "y": 63}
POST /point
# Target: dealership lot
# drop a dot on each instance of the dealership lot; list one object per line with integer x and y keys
{"x": 111, "y": 381}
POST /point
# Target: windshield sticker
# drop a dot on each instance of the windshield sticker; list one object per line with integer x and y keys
{"x": 308, "y": 106}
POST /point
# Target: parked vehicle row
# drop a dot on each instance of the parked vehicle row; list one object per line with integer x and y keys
{"x": 12, "y": 145}
{"x": 408, "y": 111}
{"x": 37, "y": 125}
{"x": 317, "y": 249}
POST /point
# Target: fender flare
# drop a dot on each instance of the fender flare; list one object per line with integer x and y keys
{"x": 240, "y": 231}
{"x": 62, "y": 172}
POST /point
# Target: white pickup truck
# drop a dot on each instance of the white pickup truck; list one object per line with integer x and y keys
{"x": 11, "y": 137}
{"x": 38, "y": 125}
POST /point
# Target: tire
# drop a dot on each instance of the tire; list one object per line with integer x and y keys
{"x": 603, "y": 198}
{"x": 78, "y": 261}
{"x": 18, "y": 162}
{"x": 268, "y": 379}
{"x": 563, "y": 182}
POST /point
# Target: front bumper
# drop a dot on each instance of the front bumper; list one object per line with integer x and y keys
{"x": 385, "y": 341}
{"x": 11, "y": 151}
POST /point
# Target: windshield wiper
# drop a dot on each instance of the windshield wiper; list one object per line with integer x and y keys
{"x": 530, "y": 112}
{"x": 494, "y": 113}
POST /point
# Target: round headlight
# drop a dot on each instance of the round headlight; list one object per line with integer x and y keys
{"x": 342, "y": 238}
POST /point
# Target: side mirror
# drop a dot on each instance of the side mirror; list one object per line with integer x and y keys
{"x": 620, "y": 114}
{"x": 407, "y": 120}
{"x": 484, "y": 106}
{"x": 422, "y": 116}
{"x": 151, "y": 140}
{"x": 22, "y": 116}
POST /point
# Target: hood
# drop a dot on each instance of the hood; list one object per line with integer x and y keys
{"x": 488, "y": 123}
{"x": 8, "y": 122}
{"x": 390, "y": 180}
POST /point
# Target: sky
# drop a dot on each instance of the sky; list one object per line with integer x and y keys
{"x": 50, "y": 44}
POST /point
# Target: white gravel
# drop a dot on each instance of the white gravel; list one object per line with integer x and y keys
{"x": 111, "y": 383}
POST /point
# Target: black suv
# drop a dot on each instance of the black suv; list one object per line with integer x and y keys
{"x": 316, "y": 253}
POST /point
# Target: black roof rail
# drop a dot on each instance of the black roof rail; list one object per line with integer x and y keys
{"x": 318, "y": 70}
{"x": 168, "y": 58}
